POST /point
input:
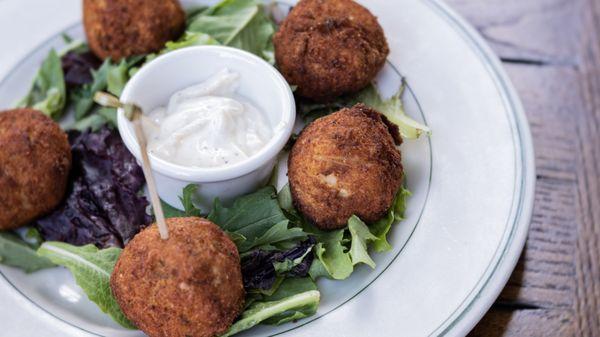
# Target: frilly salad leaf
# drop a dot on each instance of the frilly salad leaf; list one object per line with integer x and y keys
{"x": 48, "y": 92}
{"x": 333, "y": 255}
{"x": 337, "y": 252}
{"x": 392, "y": 108}
{"x": 16, "y": 252}
{"x": 92, "y": 269}
{"x": 382, "y": 227}
{"x": 116, "y": 78}
{"x": 360, "y": 237}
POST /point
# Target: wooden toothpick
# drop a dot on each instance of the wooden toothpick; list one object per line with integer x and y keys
{"x": 134, "y": 114}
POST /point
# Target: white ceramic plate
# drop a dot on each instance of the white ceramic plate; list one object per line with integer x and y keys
{"x": 467, "y": 220}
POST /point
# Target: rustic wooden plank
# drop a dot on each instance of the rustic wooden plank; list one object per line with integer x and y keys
{"x": 530, "y": 31}
{"x": 531, "y": 323}
{"x": 551, "y": 50}
{"x": 543, "y": 285}
{"x": 544, "y": 277}
{"x": 588, "y": 246}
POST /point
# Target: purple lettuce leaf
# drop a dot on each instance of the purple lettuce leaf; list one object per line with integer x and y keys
{"x": 103, "y": 205}
{"x": 258, "y": 269}
{"x": 78, "y": 66}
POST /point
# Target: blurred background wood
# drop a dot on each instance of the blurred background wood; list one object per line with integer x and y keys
{"x": 551, "y": 50}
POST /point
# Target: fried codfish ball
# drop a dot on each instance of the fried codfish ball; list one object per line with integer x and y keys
{"x": 345, "y": 164}
{"x": 330, "y": 48}
{"x": 35, "y": 159}
{"x": 123, "y": 28}
{"x": 187, "y": 285}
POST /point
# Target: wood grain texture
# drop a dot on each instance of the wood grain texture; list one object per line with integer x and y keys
{"x": 551, "y": 50}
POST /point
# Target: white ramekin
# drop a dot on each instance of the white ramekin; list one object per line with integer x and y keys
{"x": 260, "y": 82}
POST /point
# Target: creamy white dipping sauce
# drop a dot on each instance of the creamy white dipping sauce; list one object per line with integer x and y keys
{"x": 207, "y": 125}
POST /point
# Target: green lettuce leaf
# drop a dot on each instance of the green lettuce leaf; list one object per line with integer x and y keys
{"x": 288, "y": 288}
{"x": 241, "y": 24}
{"x": 96, "y": 120}
{"x": 337, "y": 252}
{"x": 82, "y": 98}
{"x": 392, "y": 108}
{"x": 171, "y": 212}
{"x": 293, "y": 300}
{"x": 190, "y": 39}
{"x": 251, "y": 215}
{"x": 111, "y": 77}
{"x": 16, "y": 252}
{"x": 333, "y": 255}
{"x": 381, "y": 228}
{"x": 187, "y": 200}
{"x": 116, "y": 78}
{"x": 361, "y": 236}
{"x": 280, "y": 232}
{"x": 119, "y": 74}
{"x": 91, "y": 268}
{"x": 48, "y": 92}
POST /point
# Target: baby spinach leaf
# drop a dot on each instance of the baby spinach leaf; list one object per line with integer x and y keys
{"x": 251, "y": 215}
{"x": 277, "y": 233}
{"x": 48, "y": 92}
{"x": 187, "y": 200}
{"x": 91, "y": 268}
{"x": 171, "y": 212}
{"x": 15, "y": 252}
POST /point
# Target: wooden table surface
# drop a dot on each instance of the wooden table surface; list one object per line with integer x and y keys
{"x": 551, "y": 50}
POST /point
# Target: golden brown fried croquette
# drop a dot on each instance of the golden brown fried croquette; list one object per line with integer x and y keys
{"x": 123, "y": 28}
{"x": 329, "y": 48}
{"x": 35, "y": 159}
{"x": 188, "y": 285}
{"x": 345, "y": 164}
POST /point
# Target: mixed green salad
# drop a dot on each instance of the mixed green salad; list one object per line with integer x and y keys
{"x": 282, "y": 254}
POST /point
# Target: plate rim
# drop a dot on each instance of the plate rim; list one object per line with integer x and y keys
{"x": 496, "y": 281}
